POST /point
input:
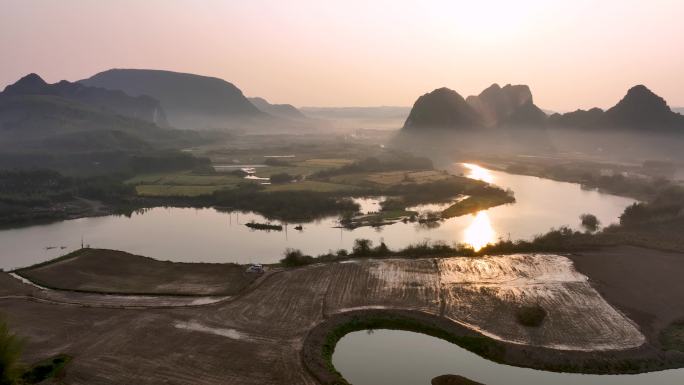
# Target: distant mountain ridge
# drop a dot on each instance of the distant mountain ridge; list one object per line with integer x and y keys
{"x": 442, "y": 108}
{"x": 281, "y": 110}
{"x": 512, "y": 105}
{"x": 494, "y": 107}
{"x": 69, "y": 117}
{"x": 139, "y": 107}
{"x": 190, "y": 101}
{"x": 639, "y": 109}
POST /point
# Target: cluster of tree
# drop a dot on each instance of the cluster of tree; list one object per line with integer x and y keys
{"x": 103, "y": 162}
{"x": 40, "y": 187}
{"x": 289, "y": 206}
{"x": 166, "y": 161}
{"x": 283, "y": 177}
{"x": 589, "y": 177}
{"x": 439, "y": 191}
{"x": 668, "y": 204}
{"x": 48, "y": 195}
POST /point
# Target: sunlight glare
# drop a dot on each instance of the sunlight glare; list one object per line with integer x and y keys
{"x": 479, "y": 173}
{"x": 480, "y": 232}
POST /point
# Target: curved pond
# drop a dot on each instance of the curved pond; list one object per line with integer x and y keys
{"x": 407, "y": 358}
{"x": 207, "y": 235}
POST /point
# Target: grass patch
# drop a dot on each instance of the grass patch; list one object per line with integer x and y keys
{"x": 186, "y": 179}
{"x": 326, "y": 162}
{"x": 481, "y": 346}
{"x": 311, "y": 185}
{"x": 389, "y": 178}
{"x": 672, "y": 337}
{"x": 530, "y": 316}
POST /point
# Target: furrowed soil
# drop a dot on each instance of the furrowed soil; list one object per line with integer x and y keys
{"x": 645, "y": 285}
{"x": 259, "y": 335}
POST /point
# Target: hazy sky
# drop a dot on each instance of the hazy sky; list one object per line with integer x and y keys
{"x": 575, "y": 53}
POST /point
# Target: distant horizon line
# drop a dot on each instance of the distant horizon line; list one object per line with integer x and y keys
{"x": 546, "y": 110}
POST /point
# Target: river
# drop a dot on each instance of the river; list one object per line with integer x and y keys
{"x": 208, "y": 235}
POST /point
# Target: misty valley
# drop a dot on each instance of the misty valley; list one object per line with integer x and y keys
{"x": 341, "y": 193}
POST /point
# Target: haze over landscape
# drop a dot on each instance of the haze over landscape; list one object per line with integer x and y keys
{"x": 578, "y": 54}
{"x": 333, "y": 193}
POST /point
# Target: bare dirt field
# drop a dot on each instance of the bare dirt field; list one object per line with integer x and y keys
{"x": 646, "y": 285}
{"x": 110, "y": 271}
{"x": 485, "y": 293}
{"x": 257, "y": 335}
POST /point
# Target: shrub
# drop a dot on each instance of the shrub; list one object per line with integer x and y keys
{"x": 530, "y": 316}
{"x": 10, "y": 350}
{"x": 672, "y": 337}
{"x": 362, "y": 247}
{"x": 590, "y": 222}
{"x": 294, "y": 258}
{"x": 282, "y": 178}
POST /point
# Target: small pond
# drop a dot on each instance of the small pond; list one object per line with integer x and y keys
{"x": 406, "y": 358}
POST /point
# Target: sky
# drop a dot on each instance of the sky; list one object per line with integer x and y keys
{"x": 573, "y": 54}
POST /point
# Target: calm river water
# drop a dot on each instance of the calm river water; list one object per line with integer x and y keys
{"x": 206, "y": 235}
{"x": 407, "y": 358}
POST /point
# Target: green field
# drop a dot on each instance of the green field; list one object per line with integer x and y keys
{"x": 389, "y": 178}
{"x": 182, "y": 184}
{"x": 311, "y": 185}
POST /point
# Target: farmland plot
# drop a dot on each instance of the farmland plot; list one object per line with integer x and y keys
{"x": 484, "y": 293}
{"x": 285, "y": 304}
{"x": 392, "y": 283}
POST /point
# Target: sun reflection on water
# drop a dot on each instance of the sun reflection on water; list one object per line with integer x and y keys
{"x": 480, "y": 232}
{"x": 479, "y": 173}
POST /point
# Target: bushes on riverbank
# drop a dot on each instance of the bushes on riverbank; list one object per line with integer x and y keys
{"x": 563, "y": 239}
{"x": 294, "y": 258}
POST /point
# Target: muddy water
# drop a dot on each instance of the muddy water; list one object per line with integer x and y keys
{"x": 406, "y": 358}
{"x": 206, "y": 235}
